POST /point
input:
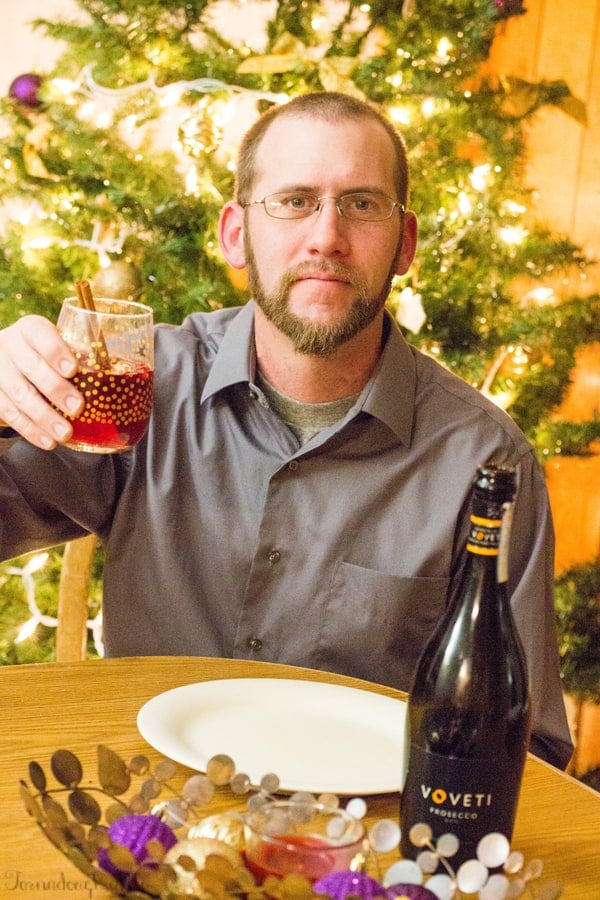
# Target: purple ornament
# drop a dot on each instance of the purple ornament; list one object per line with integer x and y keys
{"x": 409, "y": 892}
{"x": 24, "y": 89}
{"x": 340, "y": 885}
{"x": 134, "y": 832}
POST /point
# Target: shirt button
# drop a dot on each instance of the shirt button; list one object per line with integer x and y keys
{"x": 274, "y": 556}
{"x": 293, "y": 465}
{"x": 255, "y": 643}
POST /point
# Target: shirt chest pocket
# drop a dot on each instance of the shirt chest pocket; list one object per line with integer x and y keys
{"x": 375, "y": 625}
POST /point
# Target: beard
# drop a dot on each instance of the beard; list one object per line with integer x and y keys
{"x": 316, "y": 338}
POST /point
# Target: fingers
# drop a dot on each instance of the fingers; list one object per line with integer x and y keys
{"x": 35, "y": 364}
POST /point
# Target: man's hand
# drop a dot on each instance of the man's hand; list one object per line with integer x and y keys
{"x": 35, "y": 364}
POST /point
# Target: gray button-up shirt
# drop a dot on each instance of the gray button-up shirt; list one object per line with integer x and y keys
{"x": 225, "y": 537}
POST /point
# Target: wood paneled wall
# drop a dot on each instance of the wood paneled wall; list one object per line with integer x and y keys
{"x": 559, "y": 39}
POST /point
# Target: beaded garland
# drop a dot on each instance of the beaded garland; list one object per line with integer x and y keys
{"x": 131, "y": 846}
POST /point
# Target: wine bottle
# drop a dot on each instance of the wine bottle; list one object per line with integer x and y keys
{"x": 468, "y": 717}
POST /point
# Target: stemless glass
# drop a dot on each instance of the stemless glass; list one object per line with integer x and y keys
{"x": 285, "y": 837}
{"x": 114, "y": 346}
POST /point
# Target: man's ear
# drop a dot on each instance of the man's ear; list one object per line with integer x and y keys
{"x": 231, "y": 234}
{"x": 409, "y": 243}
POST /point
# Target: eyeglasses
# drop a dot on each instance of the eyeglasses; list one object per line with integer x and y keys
{"x": 360, "y": 206}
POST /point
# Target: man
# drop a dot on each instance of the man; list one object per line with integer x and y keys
{"x": 302, "y": 492}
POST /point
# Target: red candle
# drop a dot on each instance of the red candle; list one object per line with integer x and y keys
{"x": 292, "y": 854}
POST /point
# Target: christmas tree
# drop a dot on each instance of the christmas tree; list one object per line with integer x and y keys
{"x": 116, "y": 163}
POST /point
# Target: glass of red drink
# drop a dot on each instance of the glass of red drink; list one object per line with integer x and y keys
{"x": 114, "y": 345}
{"x": 284, "y": 837}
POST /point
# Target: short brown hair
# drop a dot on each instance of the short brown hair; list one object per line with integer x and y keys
{"x": 328, "y": 105}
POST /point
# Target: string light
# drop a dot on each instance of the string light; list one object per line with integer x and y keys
{"x": 25, "y": 573}
{"x": 169, "y": 94}
{"x": 37, "y": 617}
{"x": 101, "y": 242}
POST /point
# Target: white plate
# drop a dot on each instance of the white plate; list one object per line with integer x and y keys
{"x": 316, "y": 737}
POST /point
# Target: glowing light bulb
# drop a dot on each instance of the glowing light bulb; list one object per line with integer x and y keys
{"x": 128, "y": 125}
{"x": 428, "y": 107}
{"x": 464, "y": 204}
{"x": 442, "y": 52}
{"x": 519, "y": 358}
{"x": 502, "y": 399}
{"x": 399, "y": 114}
{"x": 513, "y": 208}
{"x": 87, "y": 110}
{"x": 513, "y": 234}
{"x": 191, "y": 181}
{"x": 539, "y": 296}
{"x": 41, "y": 243}
{"x": 91, "y": 111}
{"x": 36, "y": 562}
{"x": 26, "y": 630}
{"x": 170, "y": 96}
{"x": 66, "y": 87}
{"x": 480, "y": 177}
{"x": 104, "y": 119}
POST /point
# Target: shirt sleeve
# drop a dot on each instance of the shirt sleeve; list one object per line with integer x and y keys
{"x": 531, "y": 582}
{"x": 47, "y": 498}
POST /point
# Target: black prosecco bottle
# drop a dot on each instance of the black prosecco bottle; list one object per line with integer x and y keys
{"x": 468, "y": 719}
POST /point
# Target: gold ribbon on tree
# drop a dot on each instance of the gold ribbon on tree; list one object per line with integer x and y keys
{"x": 335, "y": 72}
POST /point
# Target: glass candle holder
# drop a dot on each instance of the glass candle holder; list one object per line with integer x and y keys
{"x": 284, "y": 837}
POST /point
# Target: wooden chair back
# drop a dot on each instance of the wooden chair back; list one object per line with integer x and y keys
{"x": 73, "y": 598}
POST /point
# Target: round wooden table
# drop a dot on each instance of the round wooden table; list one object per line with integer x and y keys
{"x": 80, "y": 705}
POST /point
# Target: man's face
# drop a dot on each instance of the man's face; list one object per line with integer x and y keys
{"x": 324, "y": 278}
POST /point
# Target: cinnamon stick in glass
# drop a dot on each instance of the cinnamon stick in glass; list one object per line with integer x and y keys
{"x": 86, "y": 300}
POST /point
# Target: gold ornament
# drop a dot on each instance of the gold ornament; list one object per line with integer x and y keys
{"x": 221, "y": 827}
{"x": 36, "y": 143}
{"x": 190, "y": 879}
{"x": 120, "y": 280}
{"x": 200, "y": 135}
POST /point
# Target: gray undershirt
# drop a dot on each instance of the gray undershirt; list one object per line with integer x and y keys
{"x": 304, "y": 419}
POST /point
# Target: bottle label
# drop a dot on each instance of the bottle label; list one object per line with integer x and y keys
{"x": 484, "y": 538}
{"x": 467, "y": 797}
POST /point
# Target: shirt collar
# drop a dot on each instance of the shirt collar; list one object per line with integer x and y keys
{"x": 390, "y": 393}
{"x": 389, "y": 396}
{"x": 235, "y": 361}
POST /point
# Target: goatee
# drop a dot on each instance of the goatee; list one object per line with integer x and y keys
{"x": 316, "y": 338}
